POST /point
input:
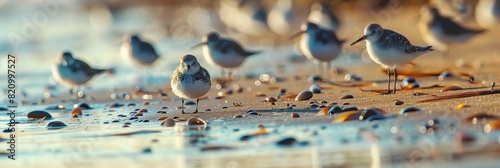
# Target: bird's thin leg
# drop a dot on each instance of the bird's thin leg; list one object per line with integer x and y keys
{"x": 388, "y": 81}
{"x": 222, "y": 73}
{"x": 328, "y": 68}
{"x": 229, "y": 73}
{"x": 197, "y": 102}
{"x": 395, "y": 80}
{"x": 320, "y": 69}
{"x": 182, "y": 105}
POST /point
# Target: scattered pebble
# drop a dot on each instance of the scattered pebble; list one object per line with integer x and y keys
{"x": 286, "y": 142}
{"x": 56, "y": 125}
{"x": 370, "y": 112}
{"x": 352, "y": 108}
{"x": 283, "y": 90}
{"x": 252, "y": 112}
{"x": 314, "y": 78}
{"x": 146, "y": 103}
{"x": 295, "y": 115}
{"x": 3, "y": 108}
{"x": 139, "y": 114}
{"x": 408, "y": 80}
{"x": 313, "y": 106}
{"x": 189, "y": 103}
{"x": 143, "y": 110}
{"x": 133, "y": 118}
{"x": 208, "y": 110}
{"x": 168, "y": 122}
{"x": 83, "y": 106}
{"x": 347, "y": 96}
{"x": 444, "y": 75}
{"x": 115, "y": 105}
{"x": 334, "y": 110}
{"x": 238, "y": 116}
{"x": 195, "y": 121}
{"x": 39, "y": 114}
{"x": 352, "y": 78}
{"x": 77, "y": 112}
{"x": 304, "y": 95}
{"x": 399, "y": 102}
{"x": 315, "y": 88}
{"x": 271, "y": 100}
{"x": 463, "y": 137}
{"x": 410, "y": 110}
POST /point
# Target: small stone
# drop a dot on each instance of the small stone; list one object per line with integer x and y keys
{"x": 147, "y": 150}
{"x": 335, "y": 110}
{"x": 115, "y": 121}
{"x": 77, "y": 112}
{"x": 294, "y": 115}
{"x": 286, "y": 141}
{"x": 105, "y": 122}
{"x": 369, "y": 112}
{"x": 315, "y": 88}
{"x": 238, "y": 116}
{"x": 352, "y": 108}
{"x": 146, "y": 103}
{"x": 3, "y": 108}
{"x": 143, "y": 110}
{"x": 131, "y": 105}
{"x": 225, "y": 107}
{"x": 314, "y": 78}
{"x": 133, "y": 118}
{"x": 168, "y": 122}
{"x": 444, "y": 75}
{"x": 39, "y": 114}
{"x": 271, "y": 100}
{"x": 410, "y": 110}
{"x": 352, "y": 77}
{"x": 83, "y": 106}
{"x": 208, "y": 110}
{"x": 283, "y": 90}
{"x": 56, "y": 125}
{"x": 399, "y": 102}
{"x": 347, "y": 96}
{"x": 115, "y": 105}
{"x": 195, "y": 121}
{"x": 252, "y": 112}
{"x": 304, "y": 95}
{"x": 189, "y": 103}
{"x": 408, "y": 80}
{"x": 313, "y": 106}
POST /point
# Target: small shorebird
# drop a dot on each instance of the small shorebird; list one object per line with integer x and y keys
{"x": 389, "y": 49}
{"x": 441, "y": 32}
{"x": 72, "y": 72}
{"x": 283, "y": 18}
{"x": 488, "y": 14}
{"x": 190, "y": 80}
{"x": 319, "y": 45}
{"x": 457, "y": 10}
{"x": 138, "y": 53}
{"x": 222, "y": 52}
{"x": 321, "y": 15}
{"x": 246, "y": 16}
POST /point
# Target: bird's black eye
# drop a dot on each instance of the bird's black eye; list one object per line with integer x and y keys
{"x": 194, "y": 63}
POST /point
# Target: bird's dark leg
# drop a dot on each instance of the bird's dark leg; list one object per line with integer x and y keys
{"x": 395, "y": 80}
{"x": 197, "y": 102}
{"x": 328, "y": 68}
{"x": 182, "y": 105}
{"x": 229, "y": 73}
{"x": 388, "y": 81}
{"x": 222, "y": 73}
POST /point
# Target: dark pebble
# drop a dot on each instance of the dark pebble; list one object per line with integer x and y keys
{"x": 131, "y": 105}
{"x": 314, "y": 78}
{"x": 115, "y": 121}
{"x": 408, "y": 80}
{"x": 352, "y": 108}
{"x": 352, "y": 77}
{"x": 444, "y": 75}
{"x": 347, "y": 96}
{"x": 315, "y": 88}
{"x": 399, "y": 102}
{"x": 286, "y": 141}
{"x": 195, "y": 121}
{"x": 283, "y": 90}
{"x": 246, "y": 137}
{"x": 238, "y": 116}
{"x": 252, "y": 112}
{"x": 208, "y": 110}
{"x": 271, "y": 100}
{"x": 121, "y": 115}
{"x": 225, "y": 107}
{"x": 56, "y": 125}
{"x": 7, "y": 130}
{"x": 84, "y": 106}
{"x": 410, "y": 110}
{"x": 147, "y": 150}
{"x": 334, "y": 110}
{"x": 105, "y": 122}
{"x": 345, "y": 104}
{"x": 369, "y": 112}
{"x": 294, "y": 115}
{"x": 3, "y": 108}
{"x": 133, "y": 118}
{"x": 145, "y": 121}
{"x": 324, "y": 102}
{"x": 313, "y": 106}
{"x": 189, "y": 103}
{"x": 322, "y": 106}
{"x": 39, "y": 114}
{"x": 164, "y": 107}
{"x": 115, "y": 105}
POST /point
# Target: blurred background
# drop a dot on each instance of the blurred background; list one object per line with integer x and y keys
{"x": 36, "y": 31}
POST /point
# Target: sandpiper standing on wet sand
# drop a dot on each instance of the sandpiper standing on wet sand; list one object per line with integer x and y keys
{"x": 72, "y": 72}
{"x": 441, "y": 32}
{"x": 138, "y": 53}
{"x": 223, "y": 53}
{"x": 389, "y": 49}
{"x": 319, "y": 45}
{"x": 190, "y": 80}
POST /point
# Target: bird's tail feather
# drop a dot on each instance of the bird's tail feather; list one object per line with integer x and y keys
{"x": 424, "y": 49}
{"x": 109, "y": 71}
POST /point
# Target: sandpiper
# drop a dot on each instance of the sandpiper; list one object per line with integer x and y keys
{"x": 138, "y": 53}
{"x": 284, "y": 19}
{"x": 246, "y": 16}
{"x": 389, "y": 49}
{"x": 72, "y": 72}
{"x": 488, "y": 13}
{"x": 223, "y": 53}
{"x": 441, "y": 32}
{"x": 190, "y": 80}
{"x": 457, "y": 10}
{"x": 322, "y": 15}
{"x": 319, "y": 45}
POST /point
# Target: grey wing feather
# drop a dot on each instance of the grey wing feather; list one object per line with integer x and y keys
{"x": 228, "y": 44}
{"x": 451, "y": 28}
{"x": 395, "y": 40}
{"x": 86, "y": 68}
{"x": 145, "y": 46}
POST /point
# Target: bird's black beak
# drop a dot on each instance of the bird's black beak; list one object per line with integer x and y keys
{"x": 360, "y": 39}
{"x": 297, "y": 35}
{"x": 188, "y": 67}
{"x": 197, "y": 45}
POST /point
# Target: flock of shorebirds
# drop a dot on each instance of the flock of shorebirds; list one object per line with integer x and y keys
{"x": 318, "y": 41}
